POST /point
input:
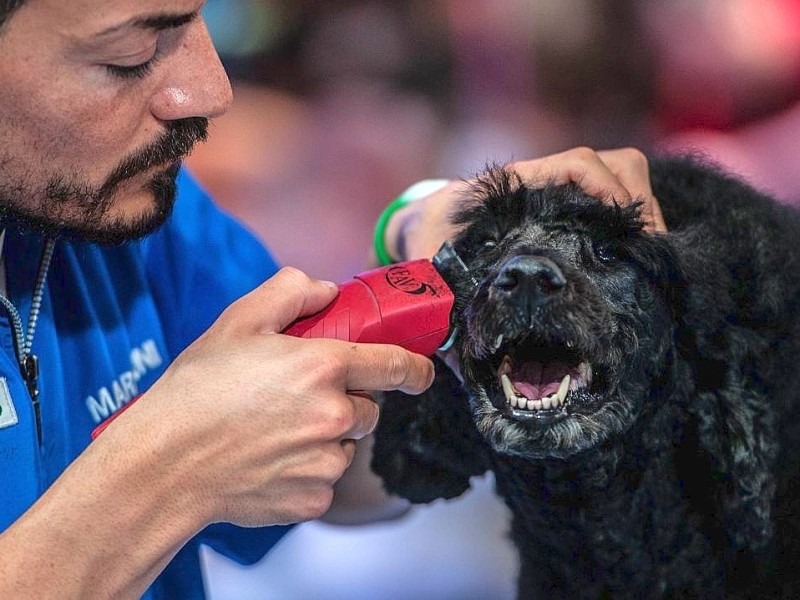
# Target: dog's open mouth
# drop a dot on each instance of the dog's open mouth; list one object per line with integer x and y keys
{"x": 540, "y": 382}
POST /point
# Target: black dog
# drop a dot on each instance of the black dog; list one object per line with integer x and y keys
{"x": 635, "y": 395}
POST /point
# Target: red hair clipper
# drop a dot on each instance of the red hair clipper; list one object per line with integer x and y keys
{"x": 407, "y": 304}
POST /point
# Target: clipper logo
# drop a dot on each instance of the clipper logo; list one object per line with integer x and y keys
{"x": 401, "y": 279}
{"x": 8, "y": 415}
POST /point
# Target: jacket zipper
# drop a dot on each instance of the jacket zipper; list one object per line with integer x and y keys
{"x": 23, "y": 341}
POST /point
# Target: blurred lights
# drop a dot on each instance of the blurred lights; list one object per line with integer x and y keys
{"x": 241, "y": 28}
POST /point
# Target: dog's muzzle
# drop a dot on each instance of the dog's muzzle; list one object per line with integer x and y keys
{"x": 537, "y": 365}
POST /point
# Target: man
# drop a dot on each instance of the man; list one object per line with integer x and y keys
{"x": 116, "y": 295}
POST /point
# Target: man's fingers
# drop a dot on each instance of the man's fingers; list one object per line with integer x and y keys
{"x": 578, "y": 165}
{"x": 283, "y": 298}
{"x": 349, "y": 449}
{"x": 656, "y": 222}
{"x": 367, "y": 413}
{"x": 630, "y": 166}
{"x": 384, "y": 367}
{"x": 620, "y": 175}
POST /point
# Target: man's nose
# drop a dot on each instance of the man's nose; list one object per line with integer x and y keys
{"x": 197, "y": 85}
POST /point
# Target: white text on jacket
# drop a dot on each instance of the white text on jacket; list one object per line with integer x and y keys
{"x": 125, "y": 387}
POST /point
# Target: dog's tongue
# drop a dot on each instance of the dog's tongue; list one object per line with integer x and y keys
{"x": 535, "y": 380}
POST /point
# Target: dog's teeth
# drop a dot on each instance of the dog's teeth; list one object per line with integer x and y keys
{"x": 561, "y": 394}
{"x": 553, "y": 401}
{"x": 508, "y": 389}
{"x": 505, "y": 366}
{"x": 498, "y": 342}
{"x": 585, "y": 370}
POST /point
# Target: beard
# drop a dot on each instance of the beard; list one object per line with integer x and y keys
{"x": 69, "y": 207}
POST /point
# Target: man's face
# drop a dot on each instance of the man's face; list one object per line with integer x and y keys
{"x": 99, "y": 100}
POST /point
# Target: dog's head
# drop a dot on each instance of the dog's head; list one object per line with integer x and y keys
{"x": 571, "y": 324}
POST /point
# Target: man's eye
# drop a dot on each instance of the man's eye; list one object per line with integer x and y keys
{"x": 133, "y": 71}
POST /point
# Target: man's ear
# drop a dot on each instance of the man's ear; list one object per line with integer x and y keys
{"x": 427, "y": 446}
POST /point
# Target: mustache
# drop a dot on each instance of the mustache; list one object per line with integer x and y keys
{"x": 175, "y": 143}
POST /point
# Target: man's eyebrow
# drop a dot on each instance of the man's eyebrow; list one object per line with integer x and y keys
{"x": 158, "y": 22}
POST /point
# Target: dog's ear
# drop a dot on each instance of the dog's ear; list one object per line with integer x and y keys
{"x": 735, "y": 433}
{"x": 657, "y": 256}
{"x": 427, "y": 446}
{"x": 730, "y": 415}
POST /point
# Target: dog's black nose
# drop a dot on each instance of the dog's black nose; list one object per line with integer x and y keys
{"x": 534, "y": 276}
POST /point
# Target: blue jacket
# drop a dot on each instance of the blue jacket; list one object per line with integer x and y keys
{"x": 111, "y": 321}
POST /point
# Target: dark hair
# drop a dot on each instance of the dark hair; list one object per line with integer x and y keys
{"x": 7, "y": 7}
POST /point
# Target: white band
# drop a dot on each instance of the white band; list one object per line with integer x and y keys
{"x": 423, "y": 188}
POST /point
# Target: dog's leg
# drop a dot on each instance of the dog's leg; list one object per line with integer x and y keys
{"x": 426, "y": 446}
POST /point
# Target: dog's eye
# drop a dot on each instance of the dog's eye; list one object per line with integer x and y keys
{"x": 603, "y": 251}
{"x": 489, "y": 245}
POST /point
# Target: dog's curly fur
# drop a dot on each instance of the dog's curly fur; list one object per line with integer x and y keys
{"x": 672, "y": 469}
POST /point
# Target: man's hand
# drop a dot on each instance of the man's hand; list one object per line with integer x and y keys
{"x": 621, "y": 175}
{"x": 262, "y": 425}
{"x": 246, "y": 426}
